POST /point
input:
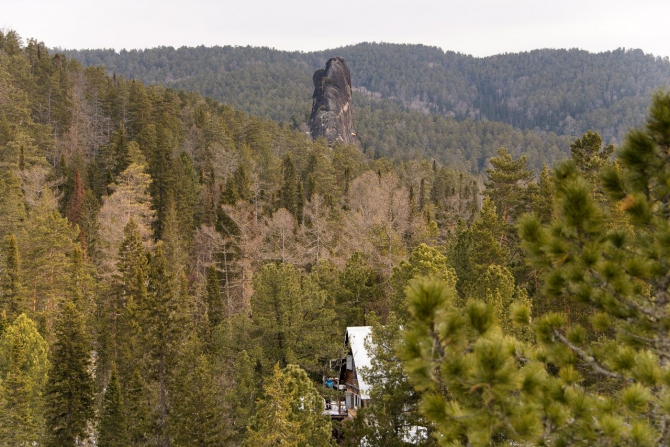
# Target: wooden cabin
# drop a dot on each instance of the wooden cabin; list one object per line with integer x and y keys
{"x": 345, "y": 377}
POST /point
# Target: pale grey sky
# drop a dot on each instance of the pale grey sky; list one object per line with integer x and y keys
{"x": 479, "y": 27}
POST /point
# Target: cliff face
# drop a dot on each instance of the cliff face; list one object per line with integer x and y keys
{"x": 332, "y": 116}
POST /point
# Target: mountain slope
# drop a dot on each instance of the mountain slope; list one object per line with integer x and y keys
{"x": 564, "y": 91}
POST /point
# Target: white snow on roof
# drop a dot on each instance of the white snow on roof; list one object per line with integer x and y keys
{"x": 357, "y": 336}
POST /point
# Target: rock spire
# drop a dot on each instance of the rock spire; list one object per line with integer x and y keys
{"x": 332, "y": 116}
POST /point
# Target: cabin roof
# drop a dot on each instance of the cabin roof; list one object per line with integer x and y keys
{"x": 356, "y": 336}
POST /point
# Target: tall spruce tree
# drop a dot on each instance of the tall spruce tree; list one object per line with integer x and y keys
{"x": 162, "y": 325}
{"x": 242, "y": 398}
{"x": 12, "y": 207}
{"x": 197, "y": 415}
{"x": 289, "y": 188}
{"x": 11, "y": 285}
{"x": 215, "y": 309}
{"x": 112, "y": 429}
{"x": 291, "y": 320}
{"x": 69, "y": 396}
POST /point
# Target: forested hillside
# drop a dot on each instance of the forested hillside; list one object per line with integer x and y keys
{"x": 162, "y": 252}
{"x": 563, "y": 91}
{"x": 174, "y": 271}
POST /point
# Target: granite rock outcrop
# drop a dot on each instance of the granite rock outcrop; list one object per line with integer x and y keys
{"x": 332, "y": 115}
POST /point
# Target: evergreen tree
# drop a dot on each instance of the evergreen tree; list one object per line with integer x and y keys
{"x": 477, "y": 247}
{"x": 12, "y": 206}
{"x": 543, "y": 198}
{"x": 11, "y": 286}
{"x": 289, "y": 188}
{"x": 119, "y": 153}
{"x": 475, "y": 393}
{"x": 590, "y": 159}
{"x": 510, "y": 189}
{"x": 130, "y": 200}
{"x": 590, "y": 156}
{"x": 69, "y": 396}
{"x": 215, "y": 310}
{"x": 574, "y": 388}
{"x": 174, "y": 243}
{"x": 229, "y": 195}
{"x": 242, "y": 398}
{"x": 197, "y": 418}
{"x": 289, "y": 413}
{"x": 291, "y": 321}
{"x": 424, "y": 261}
{"x": 121, "y": 313}
{"x": 46, "y": 245}
{"x": 160, "y": 169}
{"x": 186, "y": 196}
{"x": 243, "y": 183}
{"x": 356, "y": 294}
{"x": 23, "y": 374}
{"x": 73, "y": 210}
{"x": 162, "y": 323}
{"x": 300, "y": 205}
{"x": 112, "y": 431}
{"x": 507, "y": 185}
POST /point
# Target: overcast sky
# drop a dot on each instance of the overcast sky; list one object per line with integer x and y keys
{"x": 478, "y": 27}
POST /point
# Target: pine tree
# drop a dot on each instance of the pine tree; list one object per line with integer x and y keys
{"x": 139, "y": 108}
{"x": 186, "y": 196}
{"x": 424, "y": 261}
{"x": 11, "y": 285}
{"x": 477, "y": 247}
{"x": 174, "y": 243}
{"x": 422, "y": 194}
{"x": 356, "y": 294}
{"x": 121, "y": 312}
{"x": 291, "y": 320}
{"x": 289, "y": 413}
{"x": 162, "y": 323}
{"x": 112, "y": 431}
{"x": 300, "y": 205}
{"x": 197, "y": 417}
{"x": 23, "y": 373}
{"x": 543, "y": 197}
{"x": 69, "y": 396}
{"x": 242, "y": 398}
{"x": 507, "y": 185}
{"x": 243, "y": 183}
{"x": 130, "y": 200}
{"x": 160, "y": 169}
{"x": 475, "y": 392}
{"x": 590, "y": 155}
{"x": 75, "y": 204}
{"x": 12, "y": 206}
{"x": 576, "y": 387}
{"x": 229, "y": 195}
{"x": 215, "y": 310}
{"x": 289, "y": 188}
{"x": 46, "y": 245}
{"x": 119, "y": 153}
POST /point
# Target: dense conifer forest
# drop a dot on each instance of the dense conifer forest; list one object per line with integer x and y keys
{"x": 533, "y": 103}
{"x": 177, "y": 271}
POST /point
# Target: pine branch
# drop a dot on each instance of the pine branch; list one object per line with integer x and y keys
{"x": 590, "y": 361}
